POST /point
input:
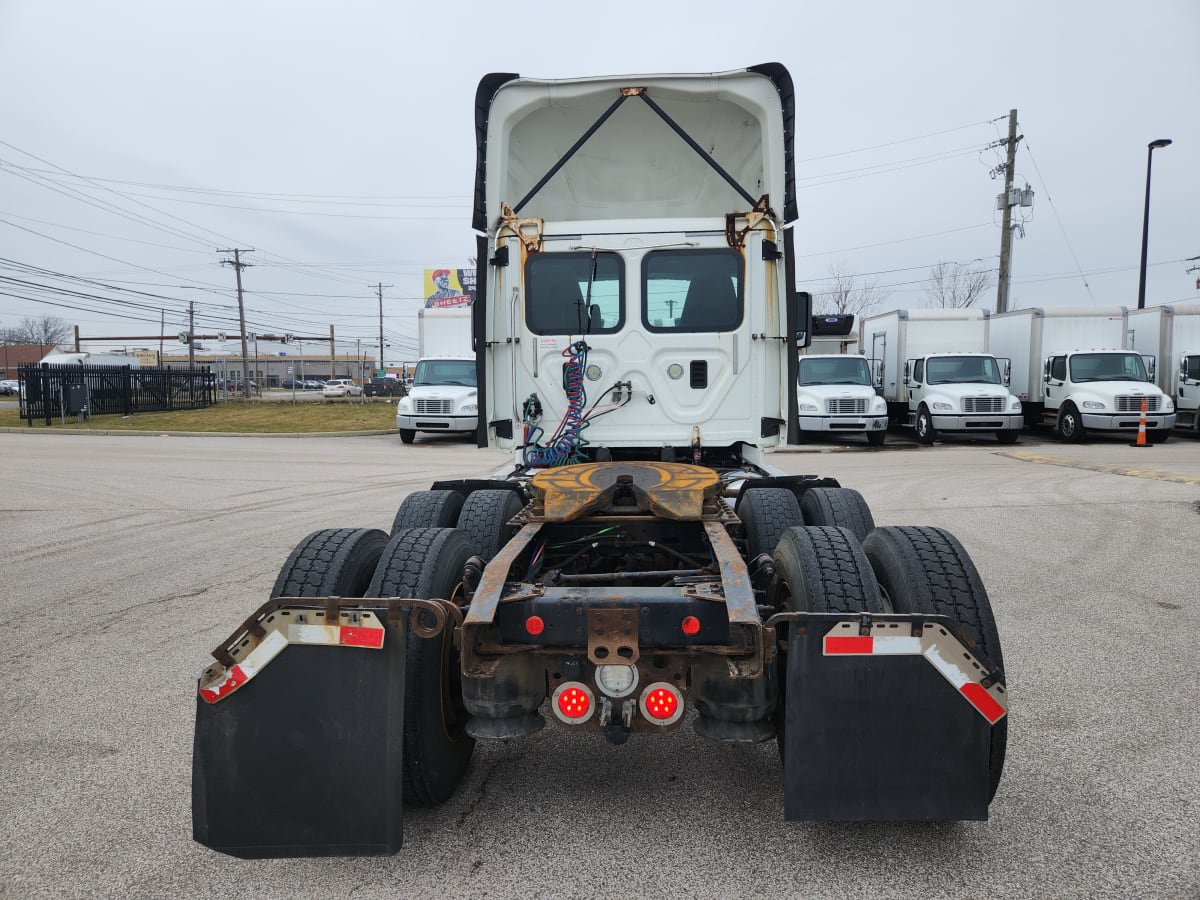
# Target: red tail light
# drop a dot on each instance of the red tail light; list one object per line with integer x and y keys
{"x": 573, "y": 703}
{"x": 690, "y": 625}
{"x": 661, "y": 703}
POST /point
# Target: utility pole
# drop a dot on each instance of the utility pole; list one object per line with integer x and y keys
{"x": 238, "y": 265}
{"x": 191, "y": 334}
{"x": 1006, "y": 227}
{"x": 379, "y": 288}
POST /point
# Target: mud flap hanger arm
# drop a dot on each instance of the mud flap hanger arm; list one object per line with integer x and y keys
{"x": 626, "y": 93}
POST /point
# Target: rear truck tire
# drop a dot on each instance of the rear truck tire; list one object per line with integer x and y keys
{"x": 926, "y": 433}
{"x": 485, "y": 516}
{"x": 428, "y": 509}
{"x": 1158, "y": 435}
{"x": 766, "y": 513}
{"x": 926, "y": 570}
{"x": 838, "y": 507}
{"x": 333, "y": 562}
{"x": 876, "y": 438}
{"x": 421, "y": 563}
{"x": 1009, "y": 436}
{"x": 407, "y": 435}
{"x": 817, "y": 569}
{"x": 1069, "y": 425}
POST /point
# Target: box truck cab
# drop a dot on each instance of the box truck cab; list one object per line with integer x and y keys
{"x": 1170, "y": 334}
{"x": 1072, "y": 372}
{"x": 937, "y": 375}
{"x": 836, "y": 395}
{"x": 961, "y": 393}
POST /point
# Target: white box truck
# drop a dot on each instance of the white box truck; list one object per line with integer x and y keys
{"x": 444, "y": 393}
{"x": 937, "y": 375}
{"x": 1072, "y": 372}
{"x": 836, "y": 395}
{"x": 1170, "y": 333}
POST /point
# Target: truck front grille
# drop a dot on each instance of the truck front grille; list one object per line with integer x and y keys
{"x": 843, "y": 406}
{"x": 434, "y": 407}
{"x": 983, "y": 404}
{"x": 1134, "y": 404}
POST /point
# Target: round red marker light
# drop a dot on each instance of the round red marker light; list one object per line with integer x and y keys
{"x": 535, "y": 625}
{"x": 690, "y": 625}
{"x": 661, "y": 704}
{"x": 574, "y": 703}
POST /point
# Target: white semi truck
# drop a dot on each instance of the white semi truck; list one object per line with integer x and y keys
{"x": 444, "y": 397}
{"x": 638, "y": 566}
{"x": 937, "y": 375}
{"x": 836, "y": 396}
{"x": 1073, "y": 373}
{"x": 1170, "y": 334}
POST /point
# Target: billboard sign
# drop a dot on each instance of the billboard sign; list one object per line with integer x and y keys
{"x": 449, "y": 287}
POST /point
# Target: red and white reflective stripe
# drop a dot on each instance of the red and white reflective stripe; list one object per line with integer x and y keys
{"x": 268, "y": 648}
{"x": 847, "y": 643}
{"x": 288, "y": 627}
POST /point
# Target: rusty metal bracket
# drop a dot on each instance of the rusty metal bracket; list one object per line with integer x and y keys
{"x": 735, "y": 237}
{"x": 528, "y": 230}
{"x": 613, "y": 636}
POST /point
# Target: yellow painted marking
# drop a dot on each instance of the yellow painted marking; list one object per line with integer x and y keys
{"x": 1131, "y": 471}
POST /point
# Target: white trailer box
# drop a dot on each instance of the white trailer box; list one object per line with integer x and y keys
{"x": 1072, "y": 370}
{"x": 1170, "y": 333}
{"x": 444, "y": 332}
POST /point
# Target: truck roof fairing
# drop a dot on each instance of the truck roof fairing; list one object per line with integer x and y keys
{"x": 645, "y": 139}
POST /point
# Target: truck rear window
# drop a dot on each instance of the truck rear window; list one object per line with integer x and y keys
{"x": 692, "y": 290}
{"x": 574, "y": 293}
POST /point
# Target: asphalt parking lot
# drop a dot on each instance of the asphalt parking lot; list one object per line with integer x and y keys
{"x": 127, "y": 558}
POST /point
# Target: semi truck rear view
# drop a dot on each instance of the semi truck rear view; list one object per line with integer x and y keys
{"x": 639, "y": 566}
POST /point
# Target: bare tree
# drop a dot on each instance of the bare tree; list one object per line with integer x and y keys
{"x": 48, "y": 330}
{"x": 956, "y": 286}
{"x": 845, "y": 296}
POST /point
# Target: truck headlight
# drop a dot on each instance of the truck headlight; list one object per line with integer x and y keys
{"x": 470, "y": 407}
{"x": 942, "y": 406}
{"x": 879, "y": 405}
{"x": 405, "y": 405}
{"x": 1015, "y": 404}
{"x": 1092, "y": 404}
{"x": 1168, "y": 405}
{"x": 808, "y": 407}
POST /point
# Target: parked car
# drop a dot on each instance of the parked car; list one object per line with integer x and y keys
{"x": 9, "y": 388}
{"x": 383, "y": 387}
{"x": 341, "y": 387}
{"x": 312, "y": 384}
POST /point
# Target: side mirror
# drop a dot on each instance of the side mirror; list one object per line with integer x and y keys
{"x": 908, "y": 366}
{"x": 877, "y": 374}
{"x": 1046, "y": 368}
{"x": 1151, "y": 364}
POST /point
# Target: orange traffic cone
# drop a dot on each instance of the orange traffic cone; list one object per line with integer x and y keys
{"x": 1141, "y": 438}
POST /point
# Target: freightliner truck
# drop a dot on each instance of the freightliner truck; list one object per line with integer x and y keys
{"x": 938, "y": 376}
{"x": 639, "y": 566}
{"x": 1073, "y": 373}
{"x": 443, "y": 398}
{"x": 1170, "y": 336}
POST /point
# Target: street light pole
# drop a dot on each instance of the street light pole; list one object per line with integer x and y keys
{"x": 1150, "y": 148}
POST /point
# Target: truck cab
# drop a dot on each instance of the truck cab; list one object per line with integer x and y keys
{"x": 443, "y": 399}
{"x": 1105, "y": 390}
{"x": 837, "y": 395}
{"x": 1187, "y": 393}
{"x": 961, "y": 393}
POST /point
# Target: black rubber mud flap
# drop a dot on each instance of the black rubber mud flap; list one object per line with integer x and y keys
{"x": 305, "y": 758}
{"x": 878, "y": 738}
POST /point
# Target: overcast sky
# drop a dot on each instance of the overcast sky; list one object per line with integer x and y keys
{"x": 336, "y": 139}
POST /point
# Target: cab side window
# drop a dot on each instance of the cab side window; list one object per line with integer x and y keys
{"x": 1058, "y": 368}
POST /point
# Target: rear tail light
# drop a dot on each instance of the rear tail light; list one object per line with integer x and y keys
{"x": 661, "y": 703}
{"x": 573, "y": 702}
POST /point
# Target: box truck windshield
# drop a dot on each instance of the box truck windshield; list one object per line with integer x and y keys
{"x": 1107, "y": 367}
{"x": 963, "y": 370}
{"x": 445, "y": 371}
{"x": 851, "y": 370}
